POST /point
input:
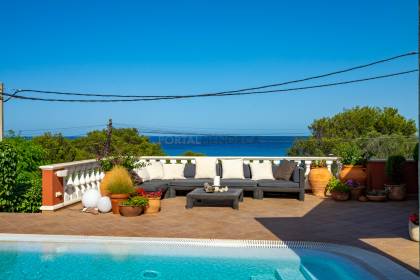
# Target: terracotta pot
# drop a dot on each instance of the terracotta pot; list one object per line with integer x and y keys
{"x": 396, "y": 192}
{"x": 130, "y": 211}
{"x": 154, "y": 206}
{"x": 413, "y": 230}
{"x": 356, "y": 192}
{"x": 116, "y": 199}
{"x": 318, "y": 178}
{"x": 353, "y": 172}
{"x": 340, "y": 196}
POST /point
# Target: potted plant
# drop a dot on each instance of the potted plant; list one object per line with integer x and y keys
{"x": 356, "y": 190}
{"x": 353, "y": 160}
{"x": 413, "y": 227}
{"x": 339, "y": 190}
{"x": 118, "y": 184}
{"x": 154, "y": 200}
{"x": 134, "y": 206}
{"x": 395, "y": 173}
{"x": 319, "y": 177}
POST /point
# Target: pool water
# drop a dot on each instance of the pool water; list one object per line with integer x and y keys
{"x": 44, "y": 260}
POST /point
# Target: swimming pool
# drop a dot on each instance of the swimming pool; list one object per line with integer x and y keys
{"x": 82, "y": 257}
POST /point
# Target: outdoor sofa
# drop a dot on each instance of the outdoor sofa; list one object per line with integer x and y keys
{"x": 296, "y": 183}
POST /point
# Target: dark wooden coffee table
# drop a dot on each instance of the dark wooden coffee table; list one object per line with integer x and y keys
{"x": 233, "y": 195}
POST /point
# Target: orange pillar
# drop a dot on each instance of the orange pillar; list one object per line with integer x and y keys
{"x": 52, "y": 187}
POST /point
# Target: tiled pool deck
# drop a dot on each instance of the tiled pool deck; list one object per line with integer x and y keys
{"x": 379, "y": 227}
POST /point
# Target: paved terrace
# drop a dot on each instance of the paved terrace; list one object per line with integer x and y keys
{"x": 379, "y": 227}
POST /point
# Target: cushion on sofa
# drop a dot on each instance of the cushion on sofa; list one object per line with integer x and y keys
{"x": 277, "y": 184}
{"x": 205, "y": 167}
{"x": 247, "y": 171}
{"x": 173, "y": 171}
{"x": 233, "y": 169}
{"x": 285, "y": 170}
{"x": 142, "y": 173}
{"x": 189, "y": 171}
{"x": 155, "y": 170}
{"x": 295, "y": 176}
{"x": 238, "y": 182}
{"x": 260, "y": 171}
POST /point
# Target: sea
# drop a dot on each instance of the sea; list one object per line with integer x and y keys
{"x": 226, "y": 145}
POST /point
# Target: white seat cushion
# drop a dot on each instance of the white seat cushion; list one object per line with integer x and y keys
{"x": 261, "y": 171}
{"x": 205, "y": 167}
{"x": 155, "y": 170}
{"x": 173, "y": 171}
{"x": 233, "y": 169}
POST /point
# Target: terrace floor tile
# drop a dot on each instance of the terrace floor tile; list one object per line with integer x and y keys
{"x": 378, "y": 227}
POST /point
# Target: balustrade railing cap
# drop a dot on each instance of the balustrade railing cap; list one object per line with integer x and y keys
{"x": 66, "y": 164}
{"x": 242, "y": 157}
{"x": 89, "y": 161}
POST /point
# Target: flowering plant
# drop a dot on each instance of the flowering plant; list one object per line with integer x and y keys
{"x": 335, "y": 185}
{"x": 414, "y": 218}
{"x": 352, "y": 183}
{"x": 142, "y": 192}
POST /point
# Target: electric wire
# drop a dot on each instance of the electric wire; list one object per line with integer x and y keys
{"x": 222, "y": 93}
{"x": 213, "y": 95}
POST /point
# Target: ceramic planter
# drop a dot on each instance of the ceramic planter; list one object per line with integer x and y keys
{"x": 413, "y": 230}
{"x": 396, "y": 192}
{"x": 318, "y": 178}
{"x": 356, "y": 192}
{"x": 154, "y": 206}
{"x": 353, "y": 172}
{"x": 340, "y": 196}
{"x": 130, "y": 211}
{"x": 116, "y": 200}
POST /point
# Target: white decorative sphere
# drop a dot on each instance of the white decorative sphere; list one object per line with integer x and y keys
{"x": 90, "y": 198}
{"x": 104, "y": 204}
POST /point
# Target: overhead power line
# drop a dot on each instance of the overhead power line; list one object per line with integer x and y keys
{"x": 221, "y": 93}
{"x": 212, "y": 95}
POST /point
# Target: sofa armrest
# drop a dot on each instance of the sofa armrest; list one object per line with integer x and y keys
{"x": 301, "y": 183}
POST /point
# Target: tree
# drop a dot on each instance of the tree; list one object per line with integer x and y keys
{"x": 363, "y": 122}
{"x": 124, "y": 141}
{"x": 378, "y": 132}
{"x": 192, "y": 154}
{"x": 57, "y": 147}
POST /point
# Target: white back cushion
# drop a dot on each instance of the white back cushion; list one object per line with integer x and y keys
{"x": 233, "y": 169}
{"x": 155, "y": 170}
{"x": 205, "y": 167}
{"x": 142, "y": 173}
{"x": 173, "y": 171}
{"x": 261, "y": 171}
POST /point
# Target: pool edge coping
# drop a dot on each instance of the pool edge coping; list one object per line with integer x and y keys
{"x": 385, "y": 266}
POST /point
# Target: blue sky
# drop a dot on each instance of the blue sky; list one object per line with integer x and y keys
{"x": 185, "y": 47}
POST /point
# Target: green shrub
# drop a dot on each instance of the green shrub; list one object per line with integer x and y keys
{"x": 27, "y": 190}
{"x": 416, "y": 152}
{"x": 335, "y": 185}
{"x": 351, "y": 154}
{"x": 192, "y": 154}
{"x": 31, "y": 199}
{"x": 8, "y": 177}
{"x": 395, "y": 168}
{"x": 136, "y": 201}
{"x": 118, "y": 181}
